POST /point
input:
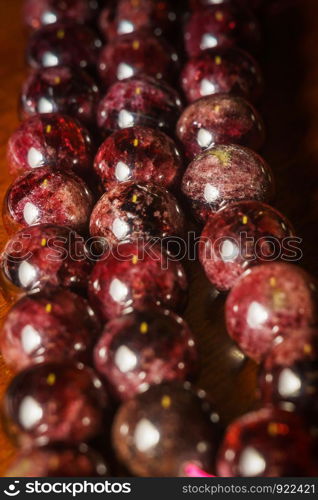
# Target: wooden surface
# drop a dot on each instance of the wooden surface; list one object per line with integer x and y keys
{"x": 290, "y": 110}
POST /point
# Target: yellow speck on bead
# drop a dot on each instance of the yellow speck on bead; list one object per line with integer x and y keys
{"x": 166, "y": 402}
{"x": 307, "y": 349}
{"x": 135, "y": 3}
{"x": 57, "y": 80}
{"x": 144, "y": 328}
{"x": 51, "y": 379}
{"x": 43, "y": 242}
{"x": 218, "y": 60}
{"x": 272, "y": 281}
{"x": 48, "y": 308}
{"x": 245, "y": 219}
{"x": 134, "y": 198}
{"x": 136, "y": 143}
{"x": 48, "y": 129}
{"x": 60, "y": 34}
{"x": 138, "y": 91}
{"x": 136, "y": 44}
{"x": 135, "y": 259}
{"x": 45, "y": 182}
{"x": 219, "y": 15}
{"x": 272, "y": 429}
{"x": 216, "y": 108}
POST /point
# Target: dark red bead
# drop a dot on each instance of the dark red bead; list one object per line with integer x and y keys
{"x": 55, "y": 402}
{"x": 268, "y": 302}
{"x": 144, "y": 348}
{"x": 139, "y": 101}
{"x": 64, "y": 44}
{"x": 52, "y": 140}
{"x": 219, "y": 119}
{"x": 217, "y": 71}
{"x": 266, "y": 443}
{"x": 130, "y": 211}
{"x": 135, "y": 276}
{"x": 158, "y": 433}
{"x": 39, "y": 13}
{"x": 44, "y": 255}
{"x": 251, "y": 4}
{"x": 240, "y": 236}
{"x": 60, "y": 90}
{"x": 137, "y": 54}
{"x": 50, "y": 197}
{"x": 224, "y": 25}
{"x": 58, "y": 461}
{"x": 52, "y": 325}
{"x": 139, "y": 154}
{"x": 224, "y": 174}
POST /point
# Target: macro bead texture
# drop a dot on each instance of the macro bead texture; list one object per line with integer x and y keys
{"x": 144, "y": 348}
{"x": 158, "y": 433}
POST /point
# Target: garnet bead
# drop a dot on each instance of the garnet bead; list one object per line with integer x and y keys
{"x": 43, "y": 255}
{"x": 219, "y": 118}
{"x": 135, "y": 276}
{"x": 266, "y": 303}
{"x": 226, "y": 71}
{"x": 130, "y": 211}
{"x": 60, "y": 90}
{"x": 63, "y": 44}
{"x": 58, "y": 461}
{"x": 266, "y": 443}
{"x": 52, "y": 140}
{"x": 140, "y": 154}
{"x": 52, "y": 325}
{"x": 47, "y": 196}
{"x": 145, "y": 348}
{"x": 224, "y": 174}
{"x": 240, "y": 236}
{"x": 158, "y": 433}
{"x": 139, "y": 101}
{"x": 225, "y": 25}
{"x": 137, "y": 54}
{"x": 55, "y": 402}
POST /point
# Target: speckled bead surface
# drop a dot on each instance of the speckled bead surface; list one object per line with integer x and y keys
{"x": 139, "y": 154}
{"x": 219, "y": 119}
{"x": 226, "y": 173}
{"x": 266, "y": 303}
{"x": 159, "y": 432}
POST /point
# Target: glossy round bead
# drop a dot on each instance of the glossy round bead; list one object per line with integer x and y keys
{"x": 58, "y": 461}
{"x": 219, "y": 119}
{"x": 229, "y": 71}
{"x": 144, "y": 348}
{"x": 137, "y": 54}
{"x": 44, "y": 255}
{"x": 135, "y": 276}
{"x": 63, "y": 44}
{"x": 55, "y": 402}
{"x": 130, "y": 211}
{"x": 139, "y": 154}
{"x": 266, "y": 443}
{"x": 47, "y": 196}
{"x": 39, "y": 13}
{"x": 225, "y": 25}
{"x": 159, "y": 432}
{"x": 266, "y": 303}
{"x": 139, "y": 101}
{"x": 226, "y": 173}
{"x": 240, "y": 236}
{"x": 51, "y": 325}
{"x": 60, "y": 90}
{"x": 53, "y": 140}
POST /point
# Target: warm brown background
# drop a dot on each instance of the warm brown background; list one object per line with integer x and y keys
{"x": 290, "y": 109}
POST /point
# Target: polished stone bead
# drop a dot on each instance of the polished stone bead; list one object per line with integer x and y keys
{"x": 144, "y": 348}
{"x": 158, "y": 433}
{"x": 52, "y": 325}
{"x": 52, "y": 140}
{"x": 129, "y": 211}
{"x": 266, "y": 303}
{"x": 139, "y": 101}
{"x": 226, "y": 173}
{"x": 229, "y": 71}
{"x": 55, "y": 402}
{"x": 60, "y": 90}
{"x": 135, "y": 276}
{"x": 266, "y": 443}
{"x": 139, "y": 154}
{"x": 240, "y": 236}
{"x": 219, "y": 119}
{"x": 46, "y": 196}
{"x": 137, "y": 54}
{"x": 64, "y": 44}
{"x": 226, "y": 25}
